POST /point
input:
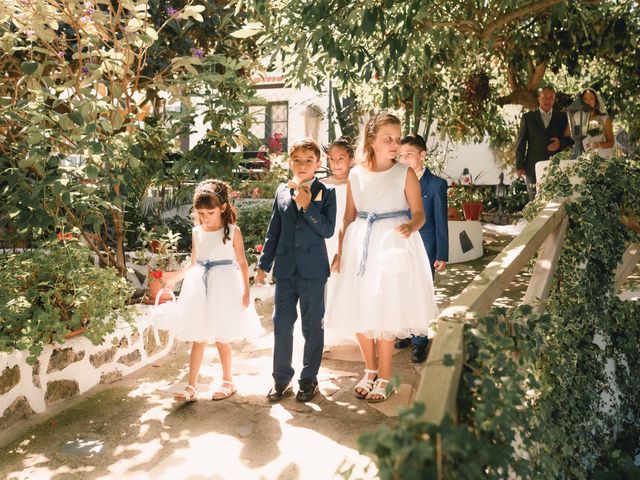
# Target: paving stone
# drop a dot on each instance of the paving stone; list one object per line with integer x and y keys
{"x": 401, "y": 398}
{"x": 245, "y": 430}
{"x": 83, "y": 447}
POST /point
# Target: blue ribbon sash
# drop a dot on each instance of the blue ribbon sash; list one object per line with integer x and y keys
{"x": 371, "y": 218}
{"x": 208, "y": 265}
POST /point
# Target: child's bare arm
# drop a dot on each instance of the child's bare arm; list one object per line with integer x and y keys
{"x": 183, "y": 273}
{"x": 349, "y": 216}
{"x": 238, "y": 246}
{"x": 414, "y": 198}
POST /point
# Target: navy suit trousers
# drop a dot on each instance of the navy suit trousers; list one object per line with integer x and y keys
{"x": 310, "y": 293}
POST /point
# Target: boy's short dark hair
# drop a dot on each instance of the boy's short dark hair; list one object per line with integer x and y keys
{"x": 305, "y": 144}
{"x": 415, "y": 141}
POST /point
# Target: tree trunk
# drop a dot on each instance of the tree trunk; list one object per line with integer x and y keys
{"x": 345, "y": 114}
{"x": 525, "y": 97}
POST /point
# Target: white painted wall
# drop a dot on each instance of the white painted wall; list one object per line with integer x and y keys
{"x": 476, "y": 157}
{"x": 299, "y": 100}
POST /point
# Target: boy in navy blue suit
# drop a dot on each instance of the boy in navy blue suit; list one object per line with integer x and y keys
{"x": 435, "y": 231}
{"x": 303, "y": 216}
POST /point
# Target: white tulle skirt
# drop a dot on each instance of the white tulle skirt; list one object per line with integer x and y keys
{"x": 216, "y": 315}
{"x": 395, "y": 295}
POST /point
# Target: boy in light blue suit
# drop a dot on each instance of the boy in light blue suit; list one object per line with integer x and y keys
{"x": 303, "y": 216}
{"x": 435, "y": 231}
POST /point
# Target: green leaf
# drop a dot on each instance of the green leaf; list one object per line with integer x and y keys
{"x": 248, "y": 30}
{"x": 76, "y": 117}
{"x": 26, "y": 163}
{"x": 29, "y": 68}
{"x": 91, "y": 171}
{"x": 448, "y": 361}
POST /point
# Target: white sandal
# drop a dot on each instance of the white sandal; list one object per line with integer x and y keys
{"x": 224, "y": 391}
{"x": 379, "y": 390}
{"x": 365, "y": 384}
{"x": 189, "y": 394}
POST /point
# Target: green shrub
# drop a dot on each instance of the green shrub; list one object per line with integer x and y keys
{"x": 253, "y": 220}
{"x": 54, "y": 289}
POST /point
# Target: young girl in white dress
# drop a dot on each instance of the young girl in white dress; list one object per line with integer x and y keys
{"x": 340, "y": 155}
{"x": 340, "y": 158}
{"x": 385, "y": 289}
{"x": 214, "y": 304}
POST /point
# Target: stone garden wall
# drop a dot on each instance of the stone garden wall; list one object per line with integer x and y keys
{"x": 70, "y": 369}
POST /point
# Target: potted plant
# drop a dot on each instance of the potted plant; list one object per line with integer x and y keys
{"x": 160, "y": 254}
{"x": 472, "y": 203}
{"x": 454, "y": 201}
{"x": 54, "y": 291}
{"x": 465, "y": 196}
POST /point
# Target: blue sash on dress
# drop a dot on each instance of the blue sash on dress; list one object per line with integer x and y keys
{"x": 371, "y": 218}
{"x": 208, "y": 265}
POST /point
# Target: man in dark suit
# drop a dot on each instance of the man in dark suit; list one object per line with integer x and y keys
{"x": 435, "y": 231}
{"x": 303, "y": 216}
{"x": 541, "y": 135}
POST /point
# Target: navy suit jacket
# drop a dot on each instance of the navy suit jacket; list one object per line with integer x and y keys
{"x": 435, "y": 231}
{"x": 295, "y": 240}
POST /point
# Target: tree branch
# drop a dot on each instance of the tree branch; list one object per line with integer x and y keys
{"x": 528, "y": 9}
{"x": 512, "y": 78}
{"x": 461, "y": 25}
{"x": 535, "y": 77}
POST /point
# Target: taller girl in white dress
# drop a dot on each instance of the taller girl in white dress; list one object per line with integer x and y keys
{"x": 385, "y": 289}
{"x": 214, "y": 304}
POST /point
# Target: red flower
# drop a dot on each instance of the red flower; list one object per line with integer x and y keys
{"x": 156, "y": 274}
{"x": 259, "y": 248}
{"x": 64, "y": 236}
{"x": 234, "y": 194}
{"x": 275, "y": 143}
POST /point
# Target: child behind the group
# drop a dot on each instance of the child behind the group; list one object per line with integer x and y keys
{"x": 340, "y": 155}
{"x": 214, "y": 304}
